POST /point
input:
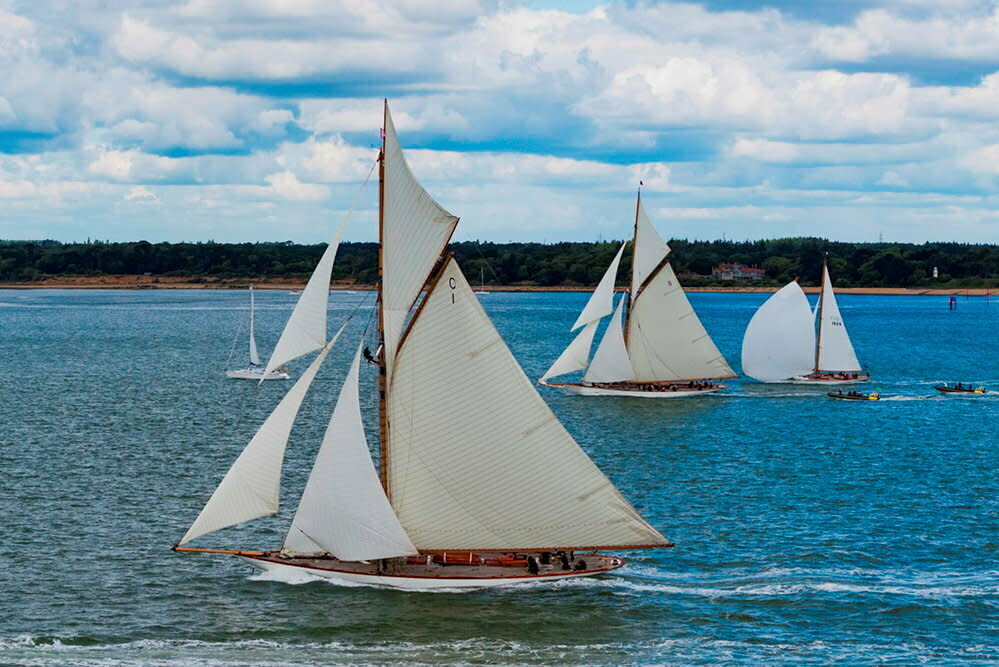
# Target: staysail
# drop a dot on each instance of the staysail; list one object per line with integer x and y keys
{"x": 649, "y": 250}
{"x": 415, "y": 229}
{"x": 254, "y": 356}
{"x": 576, "y": 356}
{"x": 835, "y": 351}
{"x": 779, "y": 343}
{"x": 610, "y": 361}
{"x": 252, "y": 486}
{"x": 601, "y": 303}
{"x": 666, "y": 340}
{"x": 478, "y": 460}
{"x": 344, "y": 510}
{"x": 305, "y": 330}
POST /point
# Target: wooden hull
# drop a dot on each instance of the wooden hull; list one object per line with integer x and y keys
{"x": 826, "y": 379}
{"x": 632, "y": 391}
{"x": 256, "y": 374}
{"x": 420, "y": 576}
{"x": 951, "y": 390}
{"x": 847, "y": 397}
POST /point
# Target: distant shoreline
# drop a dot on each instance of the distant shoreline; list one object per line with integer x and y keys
{"x": 165, "y": 282}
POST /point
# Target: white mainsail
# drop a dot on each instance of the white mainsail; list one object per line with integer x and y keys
{"x": 649, "y": 250}
{"x": 477, "y": 459}
{"x": 835, "y": 351}
{"x": 415, "y": 229}
{"x": 779, "y": 343}
{"x": 666, "y": 340}
{"x": 254, "y": 356}
{"x": 305, "y": 330}
{"x": 610, "y": 361}
{"x": 252, "y": 486}
{"x": 601, "y": 303}
{"x": 344, "y": 510}
{"x": 576, "y": 356}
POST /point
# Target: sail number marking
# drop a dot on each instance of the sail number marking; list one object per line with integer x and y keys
{"x": 452, "y": 283}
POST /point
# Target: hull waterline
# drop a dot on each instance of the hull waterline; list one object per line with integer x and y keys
{"x": 256, "y": 375}
{"x": 421, "y": 577}
{"x": 826, "y": 381}
{"x": 586, "y": 390}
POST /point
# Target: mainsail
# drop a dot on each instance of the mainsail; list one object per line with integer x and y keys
{"x": 780, "y": 340}
{"x": 835, "y": 351}
{"x": 252, "y": 486}
{"x": 254, "y": 356}
{"x": 478, "y": 460}
{"x": 344, "y": 510}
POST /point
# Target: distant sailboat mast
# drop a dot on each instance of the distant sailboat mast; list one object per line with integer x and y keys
{"x": 254, "y": 356}
{"x": 818, "y": 314}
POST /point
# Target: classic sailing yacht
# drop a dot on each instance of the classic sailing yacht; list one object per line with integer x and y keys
{"x": 256, "y": 371}
{"x": 478, "y": 484}
{"x": 654, "y": 346}
{"x": 835, "y": 360}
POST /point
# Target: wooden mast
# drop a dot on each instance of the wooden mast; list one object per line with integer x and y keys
{"x": 634, "y": 251}
{"x": 382, "y": 370}
{"x": 822, "y": 292}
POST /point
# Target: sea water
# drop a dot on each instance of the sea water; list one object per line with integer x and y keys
{"x": 807, "y": 529}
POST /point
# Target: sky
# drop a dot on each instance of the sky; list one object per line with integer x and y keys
{"x": 258, "y": 120}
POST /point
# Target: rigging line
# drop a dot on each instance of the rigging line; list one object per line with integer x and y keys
{"x": 478, "y": 249}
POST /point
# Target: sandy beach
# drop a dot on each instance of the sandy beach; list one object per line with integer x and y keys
{"x": 175, "y": 282}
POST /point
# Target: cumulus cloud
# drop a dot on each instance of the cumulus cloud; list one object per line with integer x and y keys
{"x": 528, "y": 122}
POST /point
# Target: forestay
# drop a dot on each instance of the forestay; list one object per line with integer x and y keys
{"x": 478, "y": 460}
{"x": 835, "y": 349}
{"x": 780, "y": 340}
{"x": 666, "y": 340}
{"x": 254, "y": 356}
{"x": 415, "y": 230}
{"x": 305, "y": 330}
{"x": 576, "y": 356}
{"x": 344, "y": 510}
{"x": 601, "y": 302}
{"x": 650, "y": 249}
{"x": 610, "y": 362}
{"x": 252, "y": 486}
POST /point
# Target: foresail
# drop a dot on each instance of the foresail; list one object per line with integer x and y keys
{"x": 601, "y": 303}
{"x": 252, "y": 486}
{"x": 835, "y": 349}
{"x": 415, "y": 231}
{"x": 344, "y": 510}
{"x": 650, "y": 249}
{"x": 610, "y": 361}
{"x": 305, "y": 330}
{"x": 666, "y": 340}
{"x": 576, "y": 356}
{"x": 780, "y": 340}
{"x": 478, "y": 460}
{"x": 254, "y": 356}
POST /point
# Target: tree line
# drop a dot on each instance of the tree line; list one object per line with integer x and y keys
{"x": 537, "y": 264}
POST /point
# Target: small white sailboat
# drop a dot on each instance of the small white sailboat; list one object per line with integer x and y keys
{"x": 477, "y": 484}
{"x": 835, "y": 359}
{"x": 781, "y": 344}
{"x": 482, "y": 282}
{"x": 654, "y": 346}
{"x": 256, "y": 371}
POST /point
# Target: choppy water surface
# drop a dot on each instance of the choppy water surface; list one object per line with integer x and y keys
{"x": 807, "y": 529}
